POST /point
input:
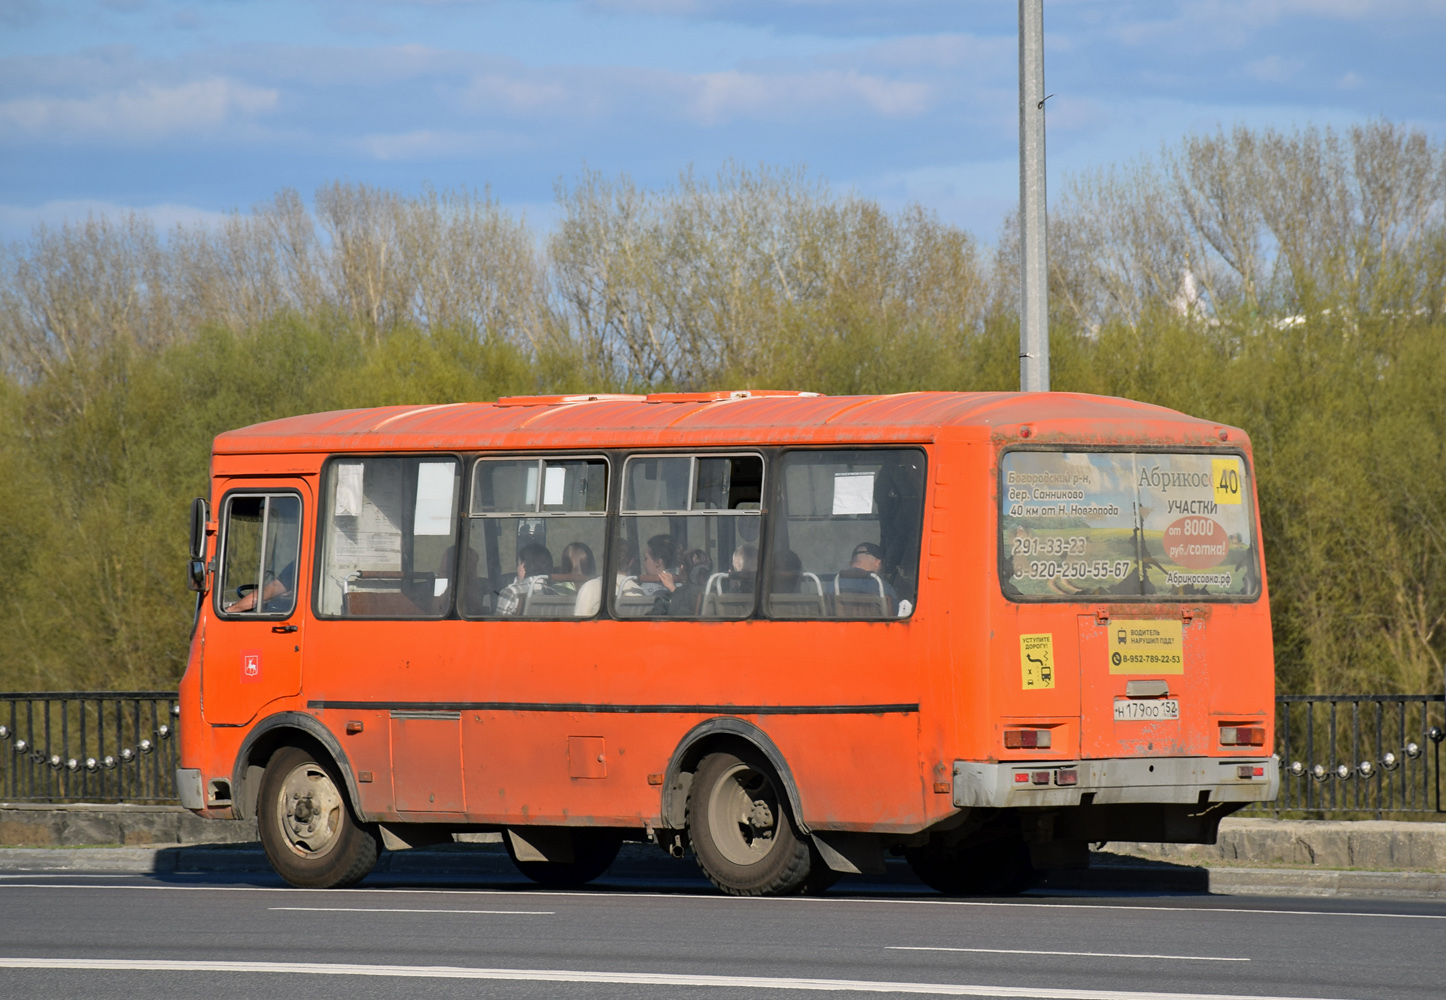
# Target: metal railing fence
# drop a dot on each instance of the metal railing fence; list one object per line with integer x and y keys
{"x": 1372, "y": 754}
{"x": 1364, "y": 754}
{"x": 88, "y": 746}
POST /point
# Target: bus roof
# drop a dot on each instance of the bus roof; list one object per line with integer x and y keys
{"x": 716, "y": 419}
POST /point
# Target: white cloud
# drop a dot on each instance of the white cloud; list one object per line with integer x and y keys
{"x": 429, "y": 144}
{"x": 143, "y": 112}
{"x": 722, "y": 97}
{"x": 515, "y": 94}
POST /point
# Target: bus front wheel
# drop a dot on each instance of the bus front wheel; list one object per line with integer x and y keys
{"x": 742, "y": 834}
{"x": 307, "y": 828}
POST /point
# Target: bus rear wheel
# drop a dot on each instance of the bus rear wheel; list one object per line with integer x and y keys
{"x": 593, "y": 852}
{"x": 307, "y": 828}
{"x": 741, "y": 832}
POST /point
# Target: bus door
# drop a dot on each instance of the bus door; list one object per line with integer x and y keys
{"x": 252, "y": 652}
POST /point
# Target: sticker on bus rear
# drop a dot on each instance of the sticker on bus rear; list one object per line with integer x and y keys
{"x": 1225, "y": 476}
{"x": 1147, "y": 647}
{"x": 1036, "y": 661}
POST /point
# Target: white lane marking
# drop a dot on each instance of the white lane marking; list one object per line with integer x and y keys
{"x": 740, "y": 900}
{"x": 1080, "y": 954}
{"x": 393, "y": 909}
{"x": 62, "y": 874}
{"x": 624, "y": 978}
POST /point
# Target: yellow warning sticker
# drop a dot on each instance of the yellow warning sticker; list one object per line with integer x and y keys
{"x": 1147, "y": 647}
{"x": 1036, "y": 661}
{"x": 1225, "y": 477}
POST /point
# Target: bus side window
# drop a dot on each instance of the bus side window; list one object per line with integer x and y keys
{"x": 690, "y": 530}
{"x": 389, "y": 537}
{"x": 261, "y": 542}
{"x": 536, "y": 538}
{"x": 846, "y": 542}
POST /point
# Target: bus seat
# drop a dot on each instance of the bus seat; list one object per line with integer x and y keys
{"x": 855, "y": 604}
{"x": 540, "y": 605}
{"x": 379, "y": 604}
{"x": 727, "y": 605}
{"x": 634, "y": 605}
{"x": 718, "y": 604}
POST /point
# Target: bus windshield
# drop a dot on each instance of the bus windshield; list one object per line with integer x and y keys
{"x": 1078, "y": 524}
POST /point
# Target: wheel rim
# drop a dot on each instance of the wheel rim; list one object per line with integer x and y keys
{"x": 744, "y": 815}
{"x": 311, "y": 811}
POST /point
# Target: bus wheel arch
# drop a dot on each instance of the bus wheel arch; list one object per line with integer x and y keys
{"x": 273, "y": 734}
{"x": 724, "y": 734}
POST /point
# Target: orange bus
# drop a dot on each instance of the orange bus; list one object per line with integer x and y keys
{"x": 787, "y": 633}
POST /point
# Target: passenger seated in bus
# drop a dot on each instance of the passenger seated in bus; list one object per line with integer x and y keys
{"x": 578, "y": 576}
{"x": 787, "y": 573}
{"x": 627, "y": 563}
{"x": 862, "y": 575}
{"x": 661, "y": 571}
{"x": 745, "y": 569}
{"x": 685, "y": 601}
{"x": 575, "y": 566}
{"x": 534, "y": 566}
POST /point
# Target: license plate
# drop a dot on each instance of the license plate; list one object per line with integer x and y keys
{"x": 1137, "y": 710}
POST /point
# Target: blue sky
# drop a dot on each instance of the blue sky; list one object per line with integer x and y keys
{"x": 189, "y": 109}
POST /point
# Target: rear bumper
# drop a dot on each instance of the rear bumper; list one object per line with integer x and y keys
{"x": 1180, "y": 780}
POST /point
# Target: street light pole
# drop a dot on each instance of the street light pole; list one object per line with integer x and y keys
{"x": 1033, "y": 257}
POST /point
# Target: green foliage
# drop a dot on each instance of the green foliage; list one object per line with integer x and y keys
{"x": 1293, "y": 285}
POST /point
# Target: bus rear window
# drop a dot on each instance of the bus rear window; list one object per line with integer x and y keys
{"x": 1076, "y": 525}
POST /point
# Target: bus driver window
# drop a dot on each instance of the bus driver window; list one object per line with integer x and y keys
{"x": 260, "y": 548}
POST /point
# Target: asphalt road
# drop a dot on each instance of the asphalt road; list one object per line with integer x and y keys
{"x": 246, "y": 935}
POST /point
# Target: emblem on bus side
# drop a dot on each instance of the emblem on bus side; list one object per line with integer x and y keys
{"x": 250, "y": 666}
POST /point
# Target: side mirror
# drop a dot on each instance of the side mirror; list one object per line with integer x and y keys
{"x": 196, "y": 569}
{"x": 200, "y": 514}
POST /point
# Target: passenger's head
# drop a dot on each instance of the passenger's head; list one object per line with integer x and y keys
{"x": 625, "y": 558}
{"x": 867, "y": 557}
{"x": 533, "y": 560}
{"x": 577, "y": 560}
{"x": 661, "y": 554}
{"x": 787, "y": 571}
{"x": 745, "y": 558}
{"x": 697, "y": 567}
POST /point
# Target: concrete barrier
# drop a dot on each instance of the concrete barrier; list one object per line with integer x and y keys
{"x": 1381, "y": 845}
{"x": 26, "y": 824}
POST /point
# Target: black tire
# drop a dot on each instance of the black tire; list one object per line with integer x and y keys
{"x": 593, "y": 852}
{"x": 307, "y": 827}
{"x": 820, "y": 876}
{"x": 742, "y": 834}
{"x": 992, "y": 862}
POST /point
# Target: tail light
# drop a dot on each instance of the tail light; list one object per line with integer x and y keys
{"x": 1026, "y": 739}
{"x": 1242, "y": 736}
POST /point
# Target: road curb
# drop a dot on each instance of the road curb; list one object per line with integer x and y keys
{"x": 647, "y": 863}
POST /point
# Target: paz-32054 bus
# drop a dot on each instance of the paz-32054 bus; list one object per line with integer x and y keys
{"x": 790, "y": 634}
